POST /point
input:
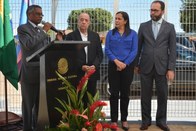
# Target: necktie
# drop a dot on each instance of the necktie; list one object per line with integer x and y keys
{"x": 155, "y": 29}
{"x": 37, "y": 29}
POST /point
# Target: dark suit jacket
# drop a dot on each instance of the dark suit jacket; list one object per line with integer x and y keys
{"x": 161, "y": 52}
{"x": 31, "y": 40}
{"x": 95, "y": 53}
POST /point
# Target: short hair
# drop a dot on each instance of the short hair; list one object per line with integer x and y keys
{"x": 31, "y": 8}
{"x": 161, "y": 3}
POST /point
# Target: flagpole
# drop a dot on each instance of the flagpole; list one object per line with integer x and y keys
{"x": 6, "y": 106}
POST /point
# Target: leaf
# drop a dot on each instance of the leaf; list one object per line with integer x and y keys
{"x": 64, "y": 80}
{"x": 81, "y": 94}
{"x": 93, "y": 99}
{"x": 61, "y": 102}
{"x": 73, "y": 112}
{"x": 59, "y": 110}
{"x": 96, "y": 97}
{"x": 97, "y": 114}
{"x": 73, "y": 98}
{"x": 90, "y": 98}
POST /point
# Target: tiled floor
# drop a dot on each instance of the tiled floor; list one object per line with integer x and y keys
{"x": 132, "y": 127}
{"x": 173, "y": 127}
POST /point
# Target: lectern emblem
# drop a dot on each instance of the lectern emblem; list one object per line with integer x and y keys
{"x": 62, "y": 66}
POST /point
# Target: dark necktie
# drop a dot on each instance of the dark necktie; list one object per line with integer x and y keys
{"x": 37, "y": 29}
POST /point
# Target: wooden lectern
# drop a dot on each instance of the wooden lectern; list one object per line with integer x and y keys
{"x": 60, "y": 56}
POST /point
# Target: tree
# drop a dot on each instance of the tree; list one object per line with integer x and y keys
{"x": 187, "y": 15}
{"x": 101, "y": 19}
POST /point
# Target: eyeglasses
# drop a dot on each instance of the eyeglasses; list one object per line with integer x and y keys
{"x": 38, "y": 14}
{"x": 154, "y": 10}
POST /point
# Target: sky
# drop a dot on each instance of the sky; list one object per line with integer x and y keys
{"x": 138, "y": 10}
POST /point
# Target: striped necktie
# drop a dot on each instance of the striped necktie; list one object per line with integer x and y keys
{"x": 37, "y": 29}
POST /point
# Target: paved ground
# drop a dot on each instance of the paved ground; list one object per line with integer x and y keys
{"x": 173, "y": 127}
{"x": 133, "y": 126}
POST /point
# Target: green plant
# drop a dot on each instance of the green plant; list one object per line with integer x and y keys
{"x": 74, "y": 116}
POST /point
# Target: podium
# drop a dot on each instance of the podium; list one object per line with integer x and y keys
{"x": 60, "y": 56}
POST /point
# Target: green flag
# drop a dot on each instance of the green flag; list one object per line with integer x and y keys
{"x": 8, "y": 63}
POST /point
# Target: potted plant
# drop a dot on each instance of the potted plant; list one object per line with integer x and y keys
{"x": 74, "y": 116}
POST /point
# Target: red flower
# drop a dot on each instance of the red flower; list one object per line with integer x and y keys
{"x": 84, "y": 79}
{"x": 87, "y": 123}
{"x": 90, "y": 72}
{"x": 76, "y": 116}
{"x": 95, "y": 105}
{"x": 75, "y": 112}
{"x": 98, "y": 127}
{"x": 112, "y": 126}
{"x": 106, "y": 125}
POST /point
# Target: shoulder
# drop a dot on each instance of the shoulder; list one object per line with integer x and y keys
{"x": 145, "y": 23}
{"x": 144, "y": 26}
{"x": 93, "y": 35}
{"x": 168, "y": 24}
{"x": 92, "y": 32}
{"x": 73, "y": 33}
{"x": 109, "y": 32}
{"x": 24, "y": 27}
{"x": 133, "y": 32}
{"x": 70, "y": 33}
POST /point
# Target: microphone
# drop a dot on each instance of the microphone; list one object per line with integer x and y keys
{"x": 52, "y": 27}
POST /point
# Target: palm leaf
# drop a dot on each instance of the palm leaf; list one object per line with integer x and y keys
{"x": 64, "y": 80}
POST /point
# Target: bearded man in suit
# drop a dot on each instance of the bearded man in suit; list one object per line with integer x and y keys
{"x": 156, "y": 61}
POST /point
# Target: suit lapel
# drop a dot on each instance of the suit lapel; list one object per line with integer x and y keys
{"x": 150, "y": 29}
{"x": 30, "y": 26}
{"x": 78, "y": 36}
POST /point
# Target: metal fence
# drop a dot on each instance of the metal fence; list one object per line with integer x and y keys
{"x": 182, "y": 92}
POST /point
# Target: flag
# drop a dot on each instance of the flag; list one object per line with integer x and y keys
{"x": 23, "y": 20}
{"x": 8, "y": 63}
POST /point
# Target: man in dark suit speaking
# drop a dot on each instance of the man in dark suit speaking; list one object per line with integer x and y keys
{"x": 156, "y": 61}
{"x": 31, "y": 38}
{"x": 91, "y": 56}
